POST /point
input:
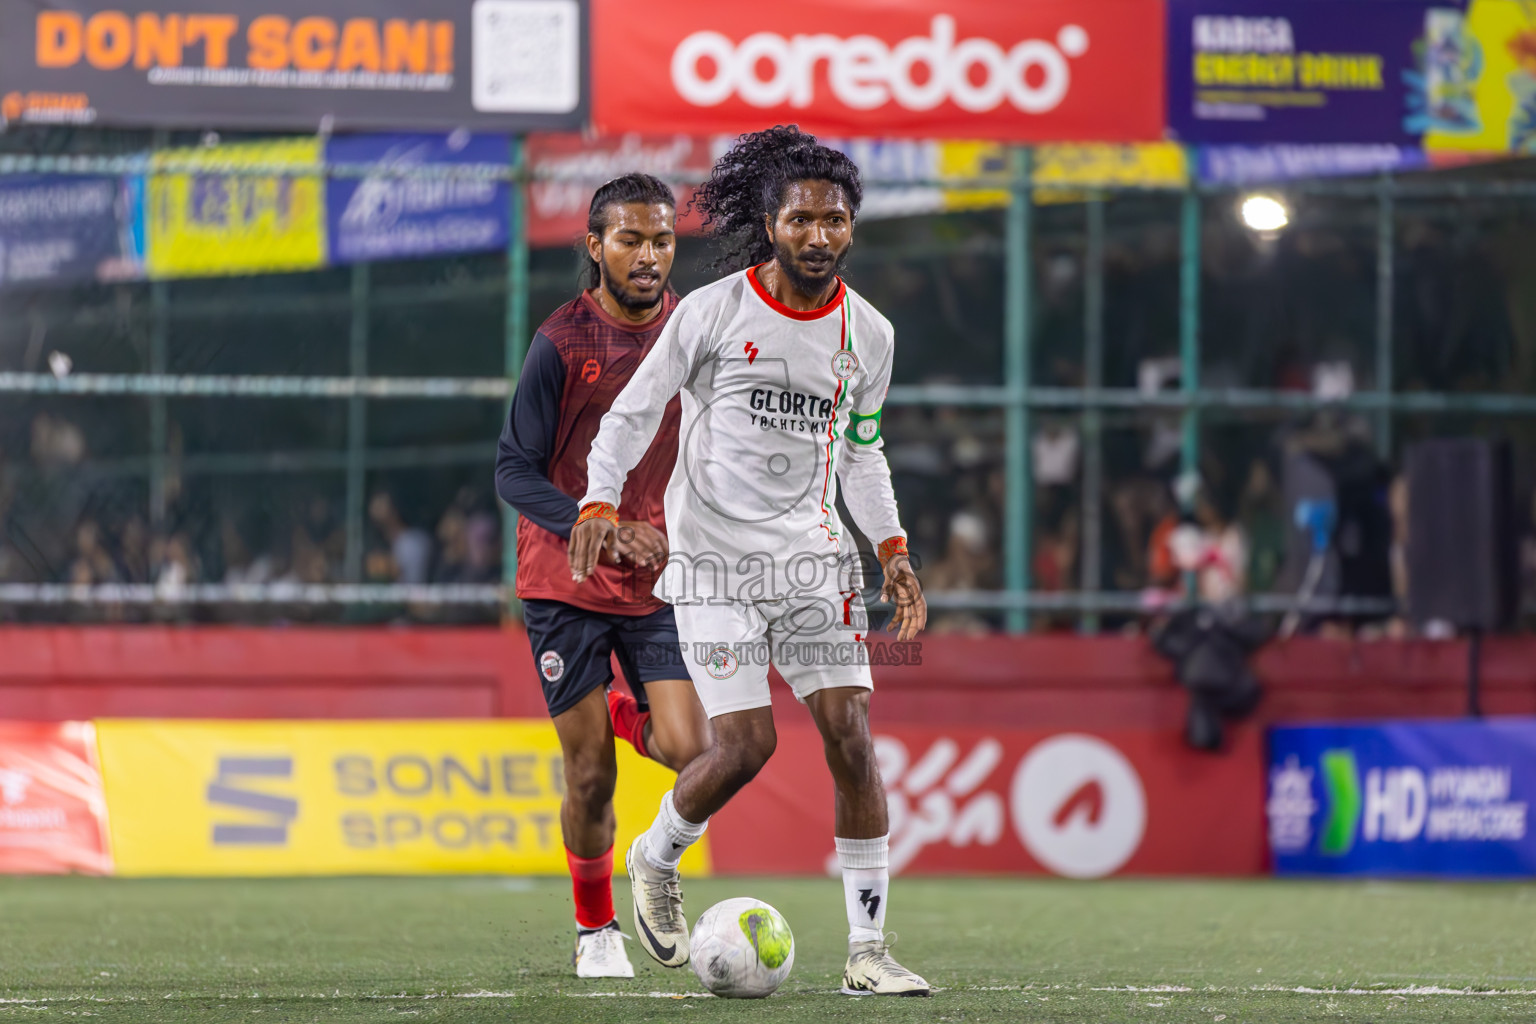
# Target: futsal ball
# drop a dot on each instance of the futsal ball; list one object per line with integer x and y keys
{"x": 742, "y": 949}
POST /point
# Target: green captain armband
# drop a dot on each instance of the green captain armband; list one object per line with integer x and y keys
{"x": 863, "y": 429}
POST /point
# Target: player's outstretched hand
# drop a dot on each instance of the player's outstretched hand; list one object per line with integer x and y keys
{"x": 589, "y": 537}
{"x": 902, "y": 589}
{"x": 641, "y": 544}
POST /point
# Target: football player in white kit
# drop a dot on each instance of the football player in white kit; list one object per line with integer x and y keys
{"x": 782, "y": 370}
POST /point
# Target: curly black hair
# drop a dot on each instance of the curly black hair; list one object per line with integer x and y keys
{"x": 750, "y": 181}
{"x": 636, "y": 187}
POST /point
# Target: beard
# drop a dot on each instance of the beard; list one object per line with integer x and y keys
{"x": 802, "y": 282}
{"x": 616, "y": 287}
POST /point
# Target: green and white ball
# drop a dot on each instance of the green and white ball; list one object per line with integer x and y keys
{"x": 742, "y": 949}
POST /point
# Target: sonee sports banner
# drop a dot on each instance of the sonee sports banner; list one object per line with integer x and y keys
{"x": 1048, "y": 70}
{"x": 1432, "y": 798}
{"x": 295, "y": 64}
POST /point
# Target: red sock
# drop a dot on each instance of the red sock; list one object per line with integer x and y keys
{"x": 592, "y": 887}
{"x": 628, "y": 720}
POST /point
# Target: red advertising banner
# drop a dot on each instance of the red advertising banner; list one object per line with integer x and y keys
{"x": 53, "y": 817}
{"x": 1044, "y": 71}
{"x": 967, "y": 801}
{"x": 568, "y": 167}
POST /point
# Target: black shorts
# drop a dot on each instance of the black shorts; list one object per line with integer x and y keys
{"x": 572, "y": 647}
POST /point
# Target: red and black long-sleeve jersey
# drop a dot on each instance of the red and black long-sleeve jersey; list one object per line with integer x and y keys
{"x": 579, "y": 361}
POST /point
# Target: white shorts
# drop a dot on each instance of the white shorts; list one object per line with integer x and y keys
{"x": 816, "y": 641}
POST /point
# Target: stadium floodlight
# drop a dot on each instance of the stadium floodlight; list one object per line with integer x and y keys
{"x": 1264, "y": 213}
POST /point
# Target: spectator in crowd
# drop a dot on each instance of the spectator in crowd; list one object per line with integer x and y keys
{"x": 409, "y": 546}
{"x": 175, "y": 567}
{"x": 56, "y": 442}
{"x": 452, "y": 547}
{"x": 1214, "y": 548}
{"x": 968, "y": 564}
{"x": 1259, "y": 516}
{"x": 92, "y": 564}
{"x": 133, "y": 550}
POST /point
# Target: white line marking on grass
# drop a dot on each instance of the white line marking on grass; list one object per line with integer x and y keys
{"x": 1410, "y": 990}
{"x": 639, "y": 995}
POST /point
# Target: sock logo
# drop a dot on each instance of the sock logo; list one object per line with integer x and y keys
{"x": 871, "y": 903}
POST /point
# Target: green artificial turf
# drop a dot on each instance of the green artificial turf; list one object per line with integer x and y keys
{"x": 492, "y": 949}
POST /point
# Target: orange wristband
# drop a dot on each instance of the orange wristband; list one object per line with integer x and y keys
{"x": 890, "y": 548}
{"x": 598, "y": 510}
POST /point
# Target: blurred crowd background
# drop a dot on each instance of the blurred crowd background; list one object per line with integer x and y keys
{"x": 253, "y": 490}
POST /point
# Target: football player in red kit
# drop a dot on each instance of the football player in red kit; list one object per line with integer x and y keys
{"x": 579, "y": 360}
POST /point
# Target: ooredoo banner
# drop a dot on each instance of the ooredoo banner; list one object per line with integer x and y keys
{"x": 966, "y": 800}
{"x": 53, "y": 818}
{"x": 1404, "y": 798}
{"x": 1049, "y": 70}
{"x": 321, "y": 798}
{"x": 394, "y": 64}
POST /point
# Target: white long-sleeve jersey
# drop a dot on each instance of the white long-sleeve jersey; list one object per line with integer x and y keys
{"x": 778, "y": 406}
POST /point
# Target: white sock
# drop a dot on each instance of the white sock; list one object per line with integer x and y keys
{"x": 866, "y": 885}
{"x": 670, "y": 834}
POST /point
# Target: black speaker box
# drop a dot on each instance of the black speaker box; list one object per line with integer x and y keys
{"x": 1463, "y": 559}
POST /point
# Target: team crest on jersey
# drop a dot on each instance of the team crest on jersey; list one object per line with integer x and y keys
{"x": 591, "y": 370}
{"x": 844, "y": 363}
{"x": 722, "y": 663}
{"x": 551, "y": 666}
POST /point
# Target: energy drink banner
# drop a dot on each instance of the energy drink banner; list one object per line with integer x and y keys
{"x": 53, "y": 817}
{"x": 297, "y": 64}
{"x": 1435, "y": 798}
{"x": 1479, "y": 83}
{"x": 1293, "y": 71}
{"x": 217, "y": 213}
{"x": 399, "y": 208}
{"x": 60, "y": 229}
{"x": 323, "y": 798}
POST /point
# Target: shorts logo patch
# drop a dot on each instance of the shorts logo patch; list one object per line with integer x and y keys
{"x": 721, "y": 664}
{"x": 844, "y": 363}
{"x": 551, "y": 666}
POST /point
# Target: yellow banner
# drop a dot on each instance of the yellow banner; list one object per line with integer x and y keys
{"x": 1480, "y": 78}
{"x": 208, "y": 222}
{"x": 1061, "y": 173}
{"x": 325, "y": 798}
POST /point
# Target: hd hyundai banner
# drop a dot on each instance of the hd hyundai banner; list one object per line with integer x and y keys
{"x": 1048, "y": 70}
{"x": 1409, "y": 798}
{"x": 295, "y": 64}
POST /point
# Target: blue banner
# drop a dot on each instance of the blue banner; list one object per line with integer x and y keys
{"x": 1406, "y": 798}
{"x": 1258, "y": 71}
{"x": 386, "y": 215}
{"x": 1252, "y": 165}
{"x": 60, "y": 229}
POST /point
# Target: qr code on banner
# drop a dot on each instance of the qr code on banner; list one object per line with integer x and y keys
{"x": 527, "y": 56}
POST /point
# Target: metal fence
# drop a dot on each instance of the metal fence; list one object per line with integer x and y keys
{"x": 307, "y": 403}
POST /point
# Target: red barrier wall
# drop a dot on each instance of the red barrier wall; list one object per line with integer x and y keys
{"x": 1001, "y": 754}
{"x": 1048, "y": 682}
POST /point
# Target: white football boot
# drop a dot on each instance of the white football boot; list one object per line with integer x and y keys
{"x": 658, "y": 899}
{"x": 872, "y": 972}
{"x": 600, "y": 954}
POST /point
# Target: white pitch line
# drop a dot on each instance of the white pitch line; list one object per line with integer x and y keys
{"x": 1306, "y": 990}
